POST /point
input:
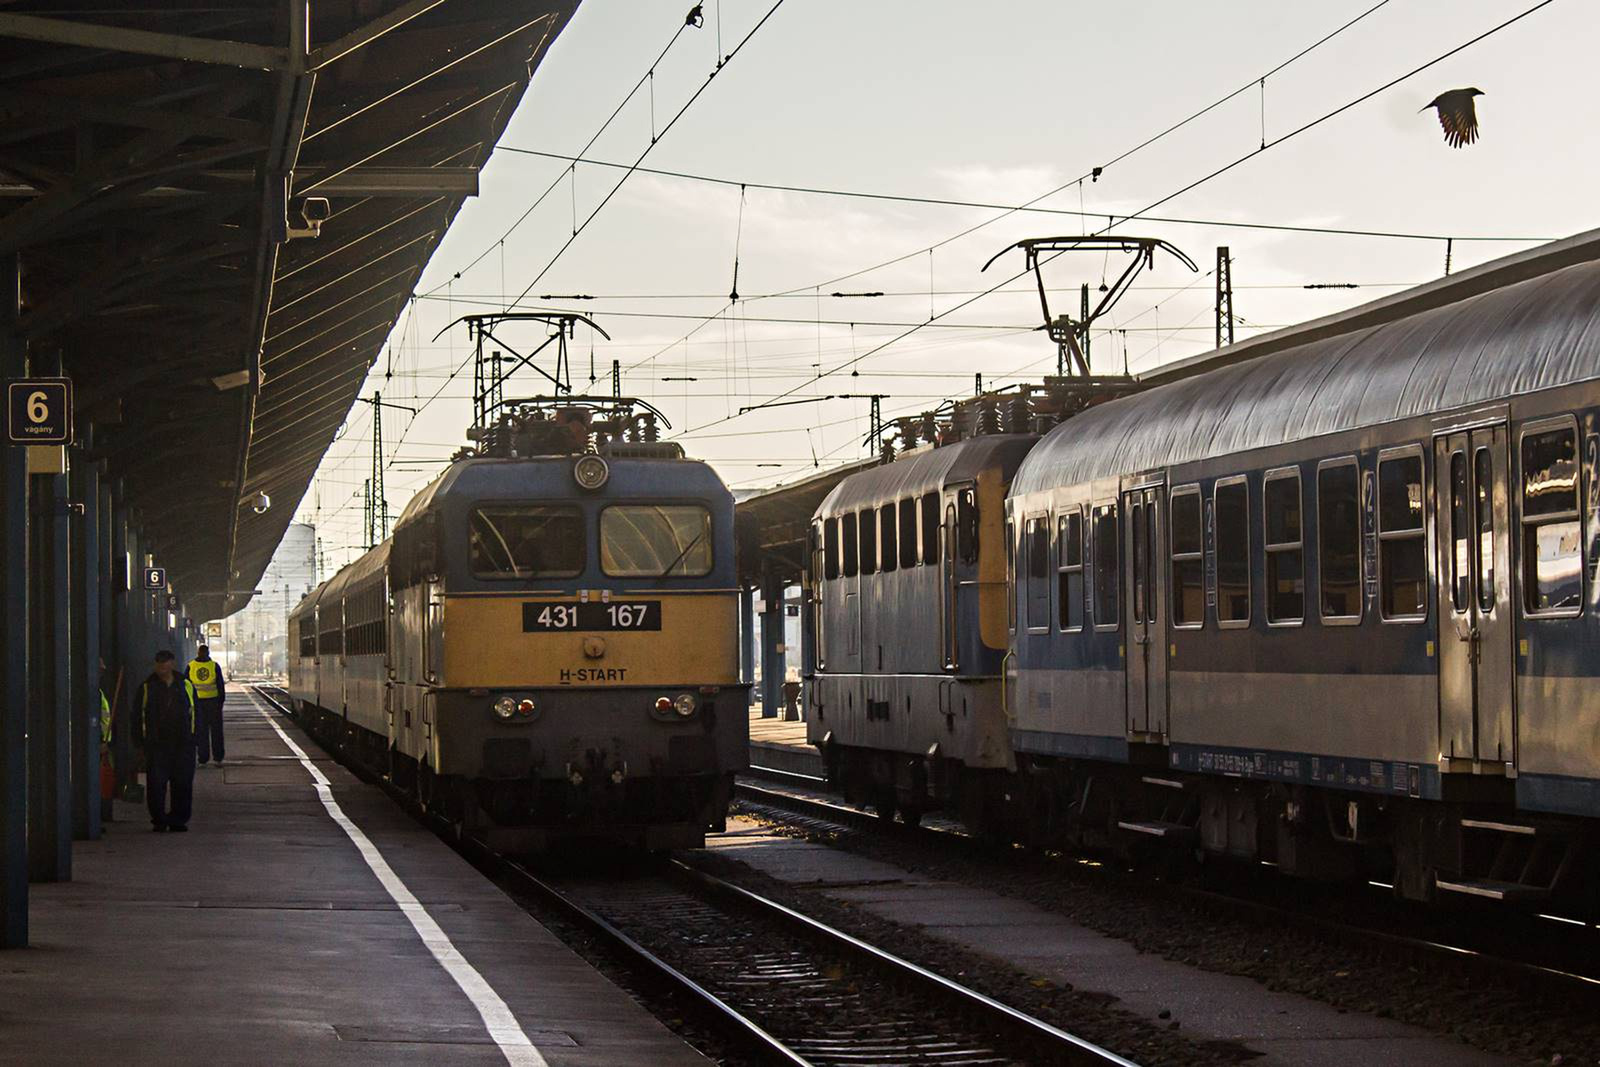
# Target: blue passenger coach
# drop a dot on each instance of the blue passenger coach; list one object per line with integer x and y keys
{"x": 1334, "y": 607}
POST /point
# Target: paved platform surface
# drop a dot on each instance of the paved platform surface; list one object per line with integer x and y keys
{"x": 1286, "y": 1029}
{"x": 781, "y": 746}
{"x": 264, "y": 936}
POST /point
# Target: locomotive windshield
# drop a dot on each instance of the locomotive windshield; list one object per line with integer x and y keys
{"x": 526, "y": 541}
{"x": 655, "y": 541}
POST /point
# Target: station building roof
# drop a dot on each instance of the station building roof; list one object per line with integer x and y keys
{"x": 154, "y": 164}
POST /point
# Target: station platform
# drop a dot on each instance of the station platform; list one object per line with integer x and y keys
{"x": 305, "y": 919}
{"x": 777, "y": 745}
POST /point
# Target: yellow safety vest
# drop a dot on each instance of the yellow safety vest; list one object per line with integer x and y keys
{"x": 203, "y": 673}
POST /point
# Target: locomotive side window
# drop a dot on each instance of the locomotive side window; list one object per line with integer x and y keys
{"x": 1402, "y": 549}
{"x": 1107, "y": 574}
{"x": 1339, "y": 539}
{"x": 868, "y": 520}
{"x": 830, "y": 548}
{"x": 1552, "y": 533}
{"x": 847, "y": 538}
{"x": 1038, "y": 547}
{"x": 526, "y": 541}
{"x": 967, "y": 525}
{"x": 1233, "y": 552}
{"x": 930, "y": 528}
{"x": 1069, "y": 571}
{"x": 887, "y": 528}
{"x": 655, "y": 541}
{"x": 908, "y": 532}
{"x": 1188, "y": 561}
{"x": 1286, "y": 591}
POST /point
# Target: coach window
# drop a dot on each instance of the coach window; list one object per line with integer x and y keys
{"x": 525, "y": 541}
{"x": 1107, "y": 587}
{"x": 967, "y": 524}
{"x": 1286, "y": 588}
{"x": 1402, "y": 547}
{"x": 1460, "y": 562}
{"x": 930, "y": 528}
{"x": 1188, "y": 561}
{"x": 1012, "y": 584}
{"x": 1038, "y": 543}
{"x": 908, "y": 532}
{"x": 1552, "y": 533}
{"x": 655, "y": 541}
{"x": 869, "y": 540}
{"x": 830, "y": 548}
{"x": 1069, "y": 570}
{"x": 847, "y": 540}
{"x": 1233, "y": 552}
{"x": 1339, "y": 540}
{"x": 889, "y": 545}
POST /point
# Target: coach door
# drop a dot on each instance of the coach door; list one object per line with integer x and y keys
{"x": 1475, "y": 631}
{"x": 948, "y": 615}
{"x": 1143, "y": 536}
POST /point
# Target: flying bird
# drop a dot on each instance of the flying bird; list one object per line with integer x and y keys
{"x": 1457, "y": 116}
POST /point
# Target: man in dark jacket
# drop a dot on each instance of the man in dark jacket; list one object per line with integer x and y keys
{"x": 164, "y": 711}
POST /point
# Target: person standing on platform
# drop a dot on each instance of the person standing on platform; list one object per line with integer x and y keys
{"x": 212, "y": 689}
{"x": 164, "y": 720}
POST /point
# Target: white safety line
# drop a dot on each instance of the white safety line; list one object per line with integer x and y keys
{"x": 497, "y": 1018}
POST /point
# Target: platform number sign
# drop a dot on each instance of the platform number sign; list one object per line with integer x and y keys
{"x": 39, "y": 411}
{"x": 155, "y": 579}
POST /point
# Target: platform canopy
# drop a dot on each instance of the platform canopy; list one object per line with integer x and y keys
{"x": 158, "y": 165}
{"x": 773, "y": 523}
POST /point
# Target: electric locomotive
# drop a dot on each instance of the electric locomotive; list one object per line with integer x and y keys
{"x": 548, "y": 646}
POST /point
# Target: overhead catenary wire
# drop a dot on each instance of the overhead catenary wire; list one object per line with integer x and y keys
{"x": 1031, "y": 207}
{"x": 1312, "y": 124}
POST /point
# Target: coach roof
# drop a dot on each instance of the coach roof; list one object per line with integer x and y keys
{"x": 1534, "y": 334}
{"x": 914, "y": 475}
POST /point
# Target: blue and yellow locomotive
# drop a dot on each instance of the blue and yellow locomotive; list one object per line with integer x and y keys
{"x": 548, "y": 645}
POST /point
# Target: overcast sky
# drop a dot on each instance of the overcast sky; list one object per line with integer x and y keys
{"x": 993, "y": 103}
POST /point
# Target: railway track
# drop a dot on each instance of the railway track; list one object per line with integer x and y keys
{"x": 783, "y": 986}
{"x": 1375, "y": 930}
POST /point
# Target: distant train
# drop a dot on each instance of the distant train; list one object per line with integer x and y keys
{"x": 547, "y": 647}
{"x": 1334, "y": 607}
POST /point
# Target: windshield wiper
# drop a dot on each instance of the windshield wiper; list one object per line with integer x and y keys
{"x": 679, "y": 557}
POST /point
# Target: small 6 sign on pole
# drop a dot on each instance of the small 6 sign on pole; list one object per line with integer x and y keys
{"x": 39, "y": 411}
{"x": 155, "y": 579}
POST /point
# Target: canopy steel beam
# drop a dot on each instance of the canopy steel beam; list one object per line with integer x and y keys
{"x": 144, "y": 42}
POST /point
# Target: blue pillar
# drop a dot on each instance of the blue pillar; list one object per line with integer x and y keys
{"x": 771, "y": 647}
{"x": 84, "y": 481}
{"x": 747, "y": 636}
{"x": 49, "y": 707}
{"x": 13, "y": 642}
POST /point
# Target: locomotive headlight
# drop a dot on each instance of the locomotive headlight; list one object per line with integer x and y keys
{"x": 505, "y": 707}
{"x": 663, "y": 703}
{"x": 525, "y": 707}
{"x": 590, "y": 472}
{"x": 684, "y": 705}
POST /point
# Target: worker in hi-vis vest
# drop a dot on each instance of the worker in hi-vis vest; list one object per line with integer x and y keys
{"x": 205, "y": 674}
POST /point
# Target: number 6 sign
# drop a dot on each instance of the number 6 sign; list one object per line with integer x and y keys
{"x": 39, "y": 411}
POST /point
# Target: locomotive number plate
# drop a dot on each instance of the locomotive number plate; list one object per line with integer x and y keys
{"x": 591, "y": 615}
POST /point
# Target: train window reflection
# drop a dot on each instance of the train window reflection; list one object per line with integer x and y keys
{"x": 1069, "y": 572}
{"x": 1286, "y": 594}
{"x": 1107, "y": 573}
{"x": 1233, "y": 552}
{"x": 655, "y": 541}
{"x": 908, "y": 532}
{"x": 1339, "y": 540}
{"x": 1402, "y": 550}
{"x": 525, "y": 541}
{"x": 1552, "y": 533}
{"x": 1188, "y": 563}
{"x": 930, "y": 528}
{"x": 1038, "y": 546}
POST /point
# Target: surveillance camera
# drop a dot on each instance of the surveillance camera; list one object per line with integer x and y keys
{"x": 314, "y": 209}
{"x": 260, "y": 503}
